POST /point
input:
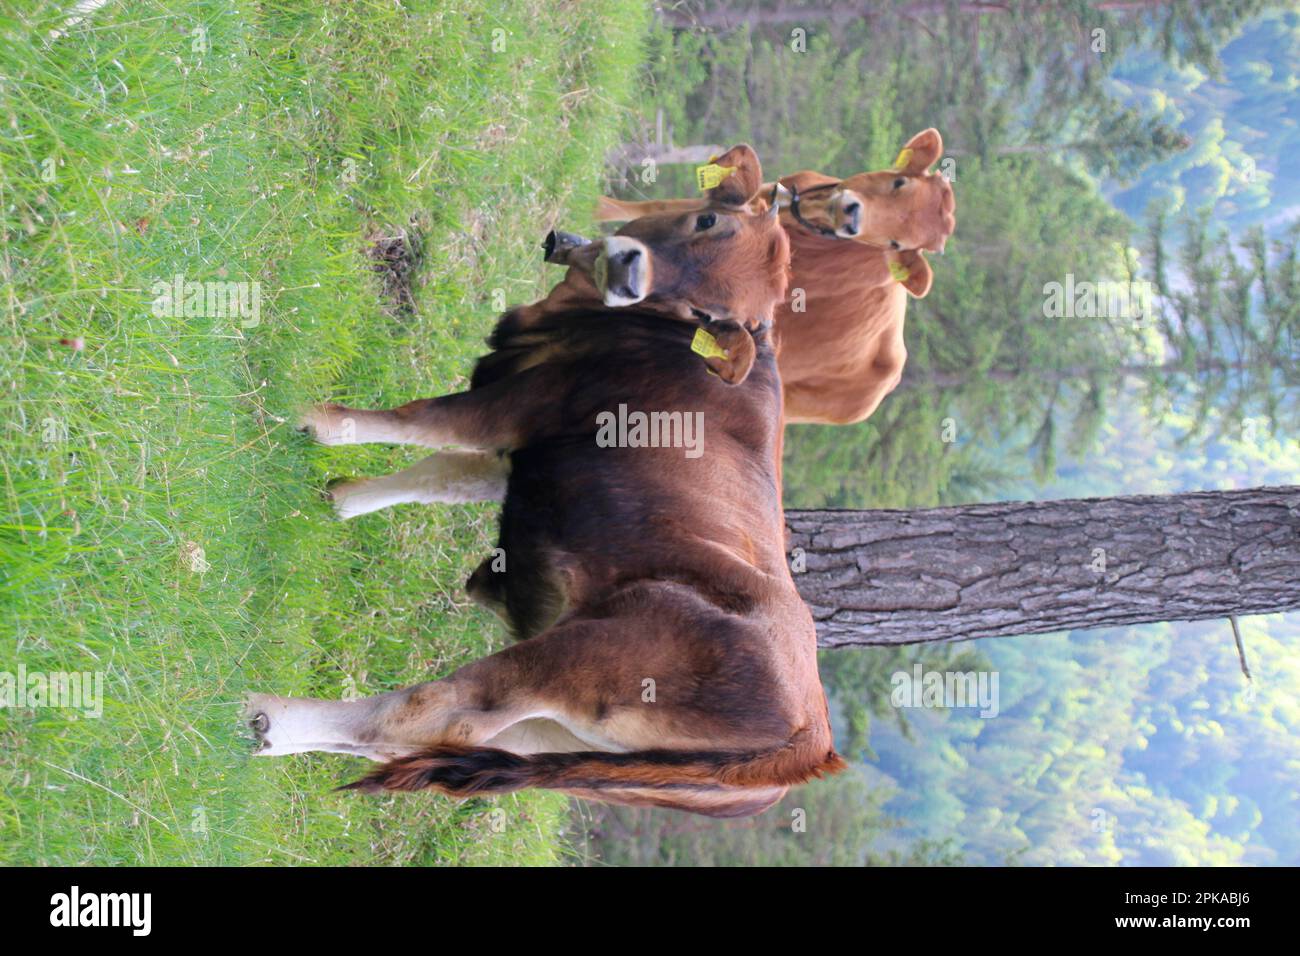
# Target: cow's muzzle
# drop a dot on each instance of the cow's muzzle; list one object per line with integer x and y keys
{"x": 847, "y": 209}
{"x": 622, "y": 271}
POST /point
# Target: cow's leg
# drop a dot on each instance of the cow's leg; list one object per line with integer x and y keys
{"x": 383, "y": 727}
{"x": 471, "y": 708}
{"x": 290, "y": 725}
{"x": 590, "y": 677}
{"x": 495, "y": 416}
{"x": 448, "y": 477}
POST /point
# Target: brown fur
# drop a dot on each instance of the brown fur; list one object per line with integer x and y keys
{"x": 635, "y": 563}
{"x": 844, "y": 352}
{"x": 628, "y": 567}
{"x": 638, "y": 563}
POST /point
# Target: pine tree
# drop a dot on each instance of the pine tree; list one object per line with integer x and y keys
{"x": 1229, "y": 317}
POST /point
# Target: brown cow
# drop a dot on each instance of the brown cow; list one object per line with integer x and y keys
{"x": 840, "y": 337}
{"x": 666, "y": 658}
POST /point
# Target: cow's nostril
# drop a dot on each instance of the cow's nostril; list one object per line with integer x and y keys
{"x": 852, "y": 218}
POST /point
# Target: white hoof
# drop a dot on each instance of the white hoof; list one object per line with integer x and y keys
{"x": 329, "y": 425}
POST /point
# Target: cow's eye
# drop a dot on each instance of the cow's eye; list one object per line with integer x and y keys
{"x": 893, "y": 244}
{"x": 705, "y": 221}
{"x": 898, "y": 183}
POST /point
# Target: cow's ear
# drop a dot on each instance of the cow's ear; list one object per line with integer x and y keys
{"x": 910, "y": 268}
{"x": 921, "y": 152}
{"x": 728, "y": 349}
{"x": 743, "y": 176}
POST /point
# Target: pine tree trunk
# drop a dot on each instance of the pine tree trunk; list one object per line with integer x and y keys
{"x": 995, "y": 570}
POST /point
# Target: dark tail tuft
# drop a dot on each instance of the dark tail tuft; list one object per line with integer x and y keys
{"x": 678, "y": 777}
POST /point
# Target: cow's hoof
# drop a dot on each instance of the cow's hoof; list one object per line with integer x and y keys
{"x": 328, "y": 424}
{"x": 258, "y": 709}
{"x": 342, "y": 495}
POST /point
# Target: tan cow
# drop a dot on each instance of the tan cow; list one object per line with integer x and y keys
{"x": 857, "y": 252}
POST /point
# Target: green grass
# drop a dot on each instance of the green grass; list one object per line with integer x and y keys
{"x": 269, "y": 145}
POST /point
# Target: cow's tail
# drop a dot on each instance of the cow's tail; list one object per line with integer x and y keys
{"x": 717, "y": 783}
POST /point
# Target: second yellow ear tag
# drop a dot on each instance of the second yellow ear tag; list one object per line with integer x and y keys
{"x": 899, "y": 271}
{"x": 711, "y": 175}
{"x": 904, "y": 157}
{"x": 706, "y": 345}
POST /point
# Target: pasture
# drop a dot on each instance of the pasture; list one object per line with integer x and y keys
{"x": 163, "y": 521}
{"x": 215, "y": 213}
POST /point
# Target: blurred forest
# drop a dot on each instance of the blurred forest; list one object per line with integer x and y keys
{"x": 1127, "y": 142}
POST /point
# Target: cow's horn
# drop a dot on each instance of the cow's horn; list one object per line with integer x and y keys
{"x": 558, "y": 245}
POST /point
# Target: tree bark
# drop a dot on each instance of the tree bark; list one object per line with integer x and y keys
{"x": 996, "y": 570}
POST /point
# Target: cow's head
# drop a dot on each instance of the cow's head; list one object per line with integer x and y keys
{"x": 727, "y": 260}
{"x": 904, "y": 208}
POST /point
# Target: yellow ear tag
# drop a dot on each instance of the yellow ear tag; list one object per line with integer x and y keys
{"x": 711, "y": 175}
{"x": 904, "y": 157}
{"x": 706, "y": 345}
{"x": 899, "y": 271}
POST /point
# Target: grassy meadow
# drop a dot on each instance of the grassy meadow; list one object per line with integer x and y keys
{"x": 161, "y": 521}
